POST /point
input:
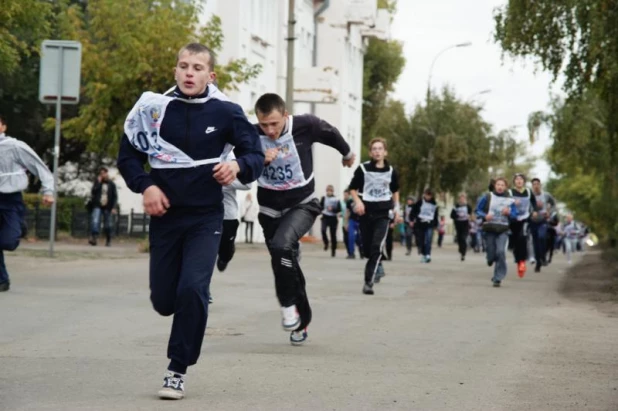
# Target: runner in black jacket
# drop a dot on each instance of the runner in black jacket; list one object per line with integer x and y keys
{"x": 461, "y": 217}
{"x": 377, "y": 184}
{"x": 288, "y": 204}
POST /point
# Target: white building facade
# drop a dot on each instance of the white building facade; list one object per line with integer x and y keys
{"x": 328, "y": 68}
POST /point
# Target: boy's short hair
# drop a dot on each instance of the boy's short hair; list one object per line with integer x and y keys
{"x": 197, "y": 48}
{"x": 103, "y": 169}
{"x": 377, "y": 140}
{"x": 535, "y": 179}
{"x": 428, "y": 191}
{"x": 269, "y": 102}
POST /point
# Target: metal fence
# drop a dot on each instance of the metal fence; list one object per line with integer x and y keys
{"x": 133, "y": 224}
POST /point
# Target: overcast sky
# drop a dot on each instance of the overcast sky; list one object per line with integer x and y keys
{"x": 427, "y": 27}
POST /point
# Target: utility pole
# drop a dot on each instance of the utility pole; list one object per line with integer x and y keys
{"x": 289, "y": 88}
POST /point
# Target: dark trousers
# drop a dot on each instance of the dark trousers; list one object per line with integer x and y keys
{"x": 520, "y": 240}
{"x": 440, "y": 239}
{"x": 282, "y": 235}
{"x": 249, "y": 232}
{"x": 183, "y": 250}
{"x": 474, "y": 242}
{"x": 374, "y": 229}
{"x": 227, "y": 247}
{"x": 345, "y": 233}
{"x": 11, "y": 217}
{"x": 329, "y": 224}
{"x": 462, "y": 236}
{"x": 539, "y": 239}
{"x": 551, "y": 242}
{"x": 409, "y": 237}
{"x": 389, "y": 243}
{"x": 424, "y": 238}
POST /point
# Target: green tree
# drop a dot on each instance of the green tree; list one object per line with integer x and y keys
{"x": 130, "y": 47}
{"x": 580, "y": 159}
{"x": 444, "y": 144}
{"x": 23, "y": 24}
{"x": 383, "y": 63}
{"x": 579, "y": 40}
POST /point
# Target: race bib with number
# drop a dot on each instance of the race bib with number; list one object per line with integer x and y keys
{"x": 462, "y": 213}
{"x": 377, "y": 187}
{"x": 428, "y": 211}
{"x": 285, "y": 172}
{"x": 496, "y": 205}
{"x": 142, "y": 127}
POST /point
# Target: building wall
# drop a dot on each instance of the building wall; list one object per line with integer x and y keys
{"x": 257, "y": 30}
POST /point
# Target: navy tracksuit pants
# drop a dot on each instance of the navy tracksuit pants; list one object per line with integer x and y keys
{"x": 11, "y": 215}
{"x": 183, "y": 250}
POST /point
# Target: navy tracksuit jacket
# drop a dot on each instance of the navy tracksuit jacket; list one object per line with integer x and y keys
{"x": 185, "y": 240}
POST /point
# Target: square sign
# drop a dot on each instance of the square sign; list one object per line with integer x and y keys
{"x": 60, "y": 69}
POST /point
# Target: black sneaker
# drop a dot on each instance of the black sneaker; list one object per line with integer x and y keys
{"x": 173, "y": 386}
{"x": 496, "y": 284}
{"x": 368, "y": 289}
{"x": 92, "y": 240}
{"x": 221, "y": 265}
{"x": 537, "y": 269}
{"x": 463, "y": 258}
{"x": 351, "y": 257}
{"x": 5, "y": 286}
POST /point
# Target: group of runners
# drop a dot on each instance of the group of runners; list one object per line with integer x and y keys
{"x": 201, "y": 148}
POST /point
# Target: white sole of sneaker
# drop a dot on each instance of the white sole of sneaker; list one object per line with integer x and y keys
{"x": 170, "y": 394}
{"x": 298, "y": 343}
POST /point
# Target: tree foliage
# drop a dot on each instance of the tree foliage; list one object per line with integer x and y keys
{"x": 581, "y": 160}
{"x": 130, "y": 47}
{"x": 457, "y": 135}
{"x": 383, "y": 63}
{"x": 577, "y": 39}
{"x": 23, "y": 24}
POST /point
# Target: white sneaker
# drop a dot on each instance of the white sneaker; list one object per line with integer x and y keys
{"x": 298, "y": 337}
{"x": 290, "y": 318}
{"x": 532, "y": 261}
{"x": 173, "y": 386}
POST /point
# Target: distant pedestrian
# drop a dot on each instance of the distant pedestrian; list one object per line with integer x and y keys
{"x": 103, "y": 200}
{"x": 249, "y": 215}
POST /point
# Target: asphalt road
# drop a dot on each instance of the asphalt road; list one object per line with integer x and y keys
{"x": 79, "y": 333}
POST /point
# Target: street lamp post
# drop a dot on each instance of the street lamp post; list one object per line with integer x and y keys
{"x": 430, "y": 158}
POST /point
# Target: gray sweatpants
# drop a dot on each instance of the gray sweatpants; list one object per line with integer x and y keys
{"x": 497, "y": 244}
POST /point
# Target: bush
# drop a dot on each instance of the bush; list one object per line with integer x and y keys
{"x": 65, "y": 207}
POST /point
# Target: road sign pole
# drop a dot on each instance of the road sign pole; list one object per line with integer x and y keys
{"x": 52, "y": 230}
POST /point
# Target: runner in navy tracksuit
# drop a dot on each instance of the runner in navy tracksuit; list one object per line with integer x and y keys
{"x": 375, "y": 190}
{"x": 288, "y": 204}
{"x": 184, "y": 137}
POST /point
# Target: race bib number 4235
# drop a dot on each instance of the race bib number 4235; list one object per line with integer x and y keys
{"x": 278, "y": 173}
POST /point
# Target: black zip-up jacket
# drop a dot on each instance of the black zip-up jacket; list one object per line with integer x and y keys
{"x": 307, "y": 129}
{"x": 416, "y": 210}
{"x": 184, "y": 126}
{"x": 112, "y": 194}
